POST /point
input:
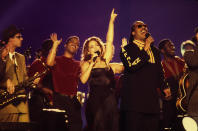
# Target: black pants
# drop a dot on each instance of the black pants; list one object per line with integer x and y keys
{"x": 135, "y": 121}
{"x": 169, "y": 114}
{"x": 73, "y": 111}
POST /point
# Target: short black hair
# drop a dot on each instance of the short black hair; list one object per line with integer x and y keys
{"x": 162, "y": 43}
{"x": 2, "y": 44}
{"x": 70, "y": 39}
{"x": 10, "y": 32}
{"x": 46, "y": 46}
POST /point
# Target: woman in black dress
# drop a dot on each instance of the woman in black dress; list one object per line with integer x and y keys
{"x": 101, "y": 107}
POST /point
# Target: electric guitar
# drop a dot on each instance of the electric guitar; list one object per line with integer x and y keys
{"x": 20, "y": 93}
{"x": 182, "y": 102}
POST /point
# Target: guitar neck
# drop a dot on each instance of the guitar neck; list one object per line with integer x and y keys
{"x": 29, "y": 81}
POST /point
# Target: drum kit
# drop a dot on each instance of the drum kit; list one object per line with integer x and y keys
{"x": 184, "y": 123}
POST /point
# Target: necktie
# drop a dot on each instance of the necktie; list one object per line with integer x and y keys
{"x": 15, "y": 66}
{"x": 13, "y": 59}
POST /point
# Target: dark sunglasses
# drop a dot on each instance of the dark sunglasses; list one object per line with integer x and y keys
{"x": 142, "y": 25}
{"x": 20, "y": 36}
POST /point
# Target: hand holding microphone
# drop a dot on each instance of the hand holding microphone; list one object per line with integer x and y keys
{"x": 148, "y": 41}
{"x": 96, "y": 54}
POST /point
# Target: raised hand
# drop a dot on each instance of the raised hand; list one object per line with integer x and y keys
{"x": 113, "y": 15}
{"x": 124, "y": 42}
{"x": 148, "y": 43}
{"x": 55, "y": 40}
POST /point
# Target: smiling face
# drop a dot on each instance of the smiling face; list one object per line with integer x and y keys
{"x": 93, "y": 47}
{"x": 169, "y": 49}
{"x": 72, "y": 46}
{"x": 140, "y": 30}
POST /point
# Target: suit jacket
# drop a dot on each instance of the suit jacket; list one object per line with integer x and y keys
{"x": 141, "y": 80}
{"x": 22, "y": 75}
{"x": 191, "y": 60}
{"x": 16, "y": 73}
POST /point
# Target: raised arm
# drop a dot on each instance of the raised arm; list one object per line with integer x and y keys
{"x": 109, "y": 38}
{"x": 124, "y": 42}
{"x": 52, "y": 54}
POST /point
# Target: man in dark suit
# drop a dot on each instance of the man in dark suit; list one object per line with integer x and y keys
{"x": 142, "y": 76}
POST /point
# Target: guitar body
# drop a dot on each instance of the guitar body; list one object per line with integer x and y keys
{"x": 182, "y": 102}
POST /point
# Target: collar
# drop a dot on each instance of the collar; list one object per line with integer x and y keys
{"x": 11, "y": 57}
{"x": 11, "y": 54}
{"x": 139, "y": 43}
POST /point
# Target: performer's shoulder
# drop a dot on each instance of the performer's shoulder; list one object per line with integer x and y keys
{"x": 130, "y": 46}
{"x": 19, "y": 55}
{"x": 179, "y": 59}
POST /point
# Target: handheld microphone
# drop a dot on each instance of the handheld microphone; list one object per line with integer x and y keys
{"x": 98, "y": 53}
{"x": 147, "y": 35}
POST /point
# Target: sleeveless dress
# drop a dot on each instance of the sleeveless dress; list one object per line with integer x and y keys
{"x": 101, "y": 107}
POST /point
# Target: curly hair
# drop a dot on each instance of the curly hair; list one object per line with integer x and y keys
{"x": 85, "y": 56}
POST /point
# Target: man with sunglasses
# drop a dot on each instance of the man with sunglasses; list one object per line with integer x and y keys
{"x": 15, "y": 74}
{"x": 142, "y": 76}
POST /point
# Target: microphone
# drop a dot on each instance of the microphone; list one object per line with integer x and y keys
{"x": 98, "y": 53}
{"x": 147, "y": 35}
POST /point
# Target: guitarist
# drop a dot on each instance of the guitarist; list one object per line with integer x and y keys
{"x": 15, "y": 73}
{"x": 39, "y": 65}
{"x": 190, "y": 57}
{"x": 42, "y": 95}
{"x": 173, "y": 67}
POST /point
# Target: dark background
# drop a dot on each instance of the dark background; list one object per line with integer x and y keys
{"x": 173, "y": 19}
